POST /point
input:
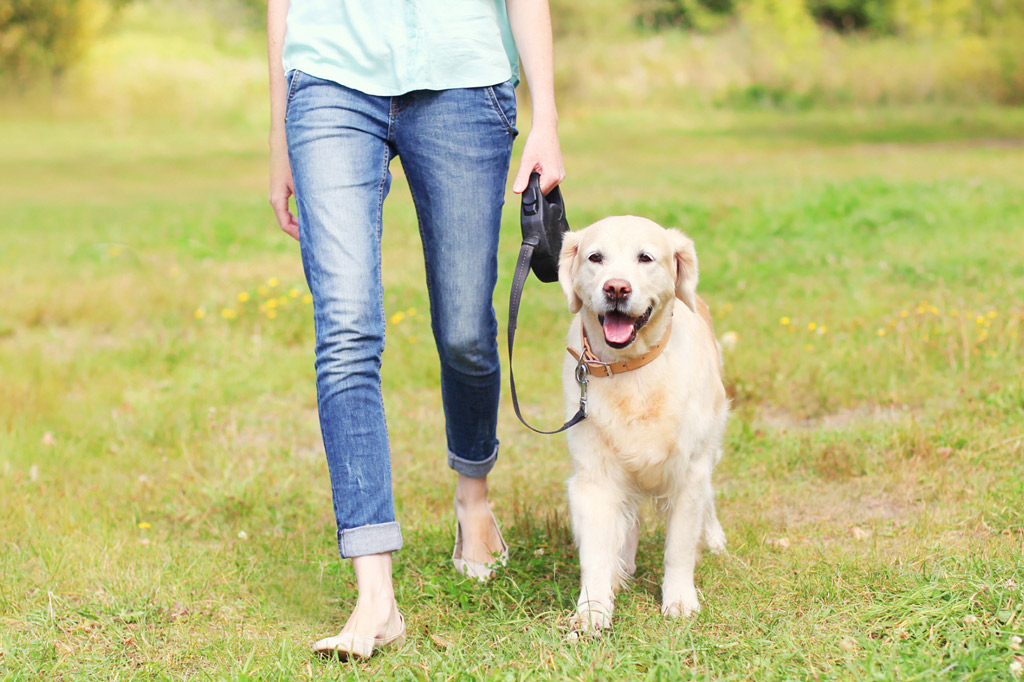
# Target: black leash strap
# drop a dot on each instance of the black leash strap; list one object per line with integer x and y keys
{"x": 518, "y": 281}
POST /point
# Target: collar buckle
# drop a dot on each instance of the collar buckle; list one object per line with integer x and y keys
{"x": 594, "y": 362}
{"x": 582, "y": 374}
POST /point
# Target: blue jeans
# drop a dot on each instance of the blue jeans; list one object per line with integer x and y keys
{"x": 455, "y": 147}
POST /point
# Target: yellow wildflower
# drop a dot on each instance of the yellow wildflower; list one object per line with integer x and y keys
{"x": 880, "y": 332}
{"x": 822, "y": 329}
{"x": 229, "y": 313}
{"x": 992, "y": 313}
{"x": 262, "y": 290}
{"x": 398, "y": 317}
{"x": 308, "y": 298}
{"x": 144, "y": 525}
{"x": 273, "y": 282}
{"x": 410, "y": 312}
{"x": 904, "y": 313}
{"x": 784, "y": 320}
{"x": 293, "y": 292}
{"x": 200, "y": 313}
{"x": 243, "y": 296}
{"x": 271, "y": 313}
{"x": 811, "y": 326}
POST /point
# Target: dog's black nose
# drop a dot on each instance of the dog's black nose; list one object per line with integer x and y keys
{"x": 617, "y": 289}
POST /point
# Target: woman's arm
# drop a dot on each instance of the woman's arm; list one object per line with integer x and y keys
{"x": 531, "y": 27}
{"x": 281, "y": 184}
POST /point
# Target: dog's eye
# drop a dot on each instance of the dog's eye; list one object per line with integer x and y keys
{"x": 595, "y": 257}
{"x": 645, "y": 258}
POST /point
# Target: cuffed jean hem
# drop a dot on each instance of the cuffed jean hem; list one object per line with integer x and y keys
{"x": 471, "y": 468}
{"x": 375, "y": 538}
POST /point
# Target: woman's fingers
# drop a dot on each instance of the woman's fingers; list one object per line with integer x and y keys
{"x": 285, "y": 218}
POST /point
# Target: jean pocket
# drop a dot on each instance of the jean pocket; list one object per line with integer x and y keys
{"x": 503, "y": 99}
{"x": 293, "y": 79}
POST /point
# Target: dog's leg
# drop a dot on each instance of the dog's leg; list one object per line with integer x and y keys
{"x": 627, "y": 556}
{"x": 713, "y": 535}
{"x": 601, "y": 528}
{"x": 686, "y": 523}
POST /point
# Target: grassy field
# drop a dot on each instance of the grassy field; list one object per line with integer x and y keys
{"x": 165, "y": 510}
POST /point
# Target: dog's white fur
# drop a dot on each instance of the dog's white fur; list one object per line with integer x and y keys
{"x": 655, "y": 431}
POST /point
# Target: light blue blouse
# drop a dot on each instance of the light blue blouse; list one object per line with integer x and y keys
{"x": 390, "y": 47}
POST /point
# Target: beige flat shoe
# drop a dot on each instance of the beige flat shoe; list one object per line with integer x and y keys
{"x": 482, "y": 572}
{"x": 350, "y": 645}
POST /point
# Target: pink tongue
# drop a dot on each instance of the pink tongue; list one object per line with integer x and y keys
{"x": 617, "y": 328}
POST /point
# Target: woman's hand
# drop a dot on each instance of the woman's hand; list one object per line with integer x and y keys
{"x": 542, "y": 153}
{"x": 282, "y": 187}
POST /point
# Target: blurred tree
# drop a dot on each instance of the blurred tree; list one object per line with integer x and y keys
{"x": 916, "y": 18}
{"x": 595, "y": 17}
{"x": 996, "y": 17}
{"x": 47, "y": 36}
{"x": 255, "y": 10}
{"x": 787, "y": 21}
{"x": 851, "y": 15}
{"x": 929, "y": 18}
{"x": 701, "y": 15}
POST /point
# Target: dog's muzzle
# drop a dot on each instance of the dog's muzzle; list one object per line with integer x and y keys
{"x": 620, "y": 329}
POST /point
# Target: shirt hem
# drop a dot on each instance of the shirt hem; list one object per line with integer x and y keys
{"x": 340, "y": 76}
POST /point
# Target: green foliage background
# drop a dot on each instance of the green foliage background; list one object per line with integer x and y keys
{"x": 778, "y": 50}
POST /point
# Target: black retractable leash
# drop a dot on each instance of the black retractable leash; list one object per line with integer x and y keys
{"x": 543, "y": 221}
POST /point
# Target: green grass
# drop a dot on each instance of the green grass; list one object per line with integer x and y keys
{"x": 164, "y": 505}
{"x": 176, "y": 521}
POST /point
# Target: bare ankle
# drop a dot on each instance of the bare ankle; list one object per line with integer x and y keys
{"x": 471, "y": 492}
{"x": 374, "y": 583}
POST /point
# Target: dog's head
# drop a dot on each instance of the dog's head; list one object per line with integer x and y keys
{"x": 626, "y": 270}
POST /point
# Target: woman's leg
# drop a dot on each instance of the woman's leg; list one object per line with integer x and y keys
{"x": 339, "y": 152}
{"x": 455, "y": 147}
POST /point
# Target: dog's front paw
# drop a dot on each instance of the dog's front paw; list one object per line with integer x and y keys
{"x": 715, "y": 540}
{"x": 591, "y": 618}
{"x": 680, "y": 605}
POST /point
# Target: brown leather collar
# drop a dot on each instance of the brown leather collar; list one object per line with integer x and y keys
{"x": 599, "y": 368}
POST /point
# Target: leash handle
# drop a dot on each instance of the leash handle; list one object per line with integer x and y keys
{"x": 518, "y": 281}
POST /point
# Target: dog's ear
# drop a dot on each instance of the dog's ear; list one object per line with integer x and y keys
{"x": 686, "y": 269}
{"x": 567, "y": 267}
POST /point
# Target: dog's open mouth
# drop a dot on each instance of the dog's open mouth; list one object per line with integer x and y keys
{"x": 620, "y": 329}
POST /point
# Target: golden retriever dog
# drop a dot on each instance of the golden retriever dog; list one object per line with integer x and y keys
{"x": 654, "y": 429}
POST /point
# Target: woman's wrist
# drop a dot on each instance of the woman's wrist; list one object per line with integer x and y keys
{"x": 547, "y": 120}
{"x": 277, "y": 138}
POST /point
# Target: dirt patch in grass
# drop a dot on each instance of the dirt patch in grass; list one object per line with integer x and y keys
{"x": 783, "y": 419}
{"x": 844, "y": 506}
